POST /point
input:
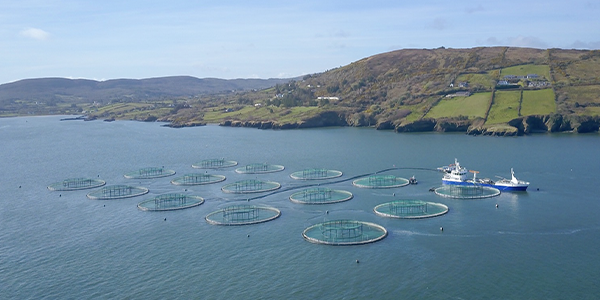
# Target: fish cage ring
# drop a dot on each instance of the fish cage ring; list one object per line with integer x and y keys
{"x": 242, "y": 215}
{"x": 344, "y": 232}
{"x": 197, "y": 179}
{"x": 320, "y": 195}
{"x": 315, "y": 174}
{"x": 149, "y": 173}
{"x": 380, "y": 182}
{"x": 73, "y": 184}
{"x": 171, "y": 201}
{"x": 214, "y": 163}
{"x": 250, "y": 186}
{"x": 410, "y": 209}
{"x": 259, "y": 168}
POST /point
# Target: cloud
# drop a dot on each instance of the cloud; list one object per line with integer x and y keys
{"x": 439, "y": 24}
{"x": 519, "y": 41}
{"x": 35, "y": 33}
{"x": 471, "y": 10}
{"x": 585, "y": 45}
{"x": 527, "y": 41}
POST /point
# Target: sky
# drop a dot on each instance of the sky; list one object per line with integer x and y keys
{"x": 137, "y": 39}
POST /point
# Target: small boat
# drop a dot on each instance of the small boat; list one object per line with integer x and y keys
{"x": 412, "y": 180}
{"x": 512, "y": 184}
{"x": 457, "y": 175}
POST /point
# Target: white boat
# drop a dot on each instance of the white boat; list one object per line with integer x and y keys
{"x": 457, "y": 175}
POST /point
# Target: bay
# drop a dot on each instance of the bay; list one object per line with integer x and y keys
{"x": 538, "y": 244}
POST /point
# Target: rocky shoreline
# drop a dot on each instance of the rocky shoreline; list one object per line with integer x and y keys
{"x": 516, "y": 127}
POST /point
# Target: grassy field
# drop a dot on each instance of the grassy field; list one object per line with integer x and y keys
{"x": 121, "y": 108}
{"x": 505, "y": 107}
{"x": 586, "y": 70}
{"x": 538, "y": 102}
{"x": 418, "y": 110}
{"x": 583, "y": 94}
{"x": 477, "y": 80}
{"x": 473, "y": 106}
{"x": 522, "y": 70}
{"x": 250, "y": 113}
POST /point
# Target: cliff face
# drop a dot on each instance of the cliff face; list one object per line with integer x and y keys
{"x": 518, "y": 126}
{"x": 556, "y": 123}
{"x": 324, "y": 119}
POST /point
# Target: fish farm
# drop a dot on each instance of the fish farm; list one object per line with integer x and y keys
{"x": 315, "y": 174}
{"x": 197, "y": 179}
{"x": 259, "y": 168}
{"x": 320, "y": 195}
{"x": 215, "y": 163}
{"x": 344, "y": 232}
{"x": 410, "y": 209}
{"x": 329, "y": 232}
{"x": 250, "y": 186}
{"x": 242, "y": 215}
{"x": 117, "y": 192}
{"x": 380, "y": 182}
{"x": 149, "y": 173}
{"x": 170, "y": 202}
{"x": 73, "y": 184}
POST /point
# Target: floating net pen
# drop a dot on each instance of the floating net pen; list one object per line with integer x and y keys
{"x": 410, "y": 209}
{"x": 242, "y": 215}
{"x": 197, "y": 179}
{"x": 149, "y": 173}
{"x": 72, "y": 184}
{"x": 380, "y": 182}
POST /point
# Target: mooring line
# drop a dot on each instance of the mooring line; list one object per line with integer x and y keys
{"x": 291, "y": 188}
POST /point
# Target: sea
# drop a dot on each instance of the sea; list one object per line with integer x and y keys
{"x": 540, "y": 244}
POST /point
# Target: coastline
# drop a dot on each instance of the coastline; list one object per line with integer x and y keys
{"x": 527, "y": 125}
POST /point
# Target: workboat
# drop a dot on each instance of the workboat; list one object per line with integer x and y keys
{"x": 458, "y": 175}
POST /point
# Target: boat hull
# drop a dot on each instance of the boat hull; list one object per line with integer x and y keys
{"x": 508, "y": 188}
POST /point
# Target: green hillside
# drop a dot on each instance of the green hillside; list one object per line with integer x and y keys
{"x": 476, "y": 90}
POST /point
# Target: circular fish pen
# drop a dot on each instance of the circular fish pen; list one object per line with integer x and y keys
{"x": 259, "y": 168}
{"x": 242, "y": 215}
{"x": 197, "y": 179}
{"x": 117, "y": 192}
{"x": 466, "y": 191}
{"x": 214, "y": 163}
{"x": 170, "y": 202}
{"x": 315, "y": 174}
{"x": 250, "y": 186}
{"x": 344, "y": 232}
{"x": 320, "y": 195}
{"x": 410, "y": 209}
{"x": 73, "y": 184}
{"x": 149, "y": 173}
{"x": 380, "y": 182}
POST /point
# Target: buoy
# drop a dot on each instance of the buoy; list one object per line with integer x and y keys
{"x": 394, "y": 194}
{"x": 357, "y": 261}
{"x": 327, "y": 212}
{"x": 248, "y": 235}
{"x": 441, "y": 228}
{"x": 165, "y": 219}
{"x": 104, "y": 205}
{"x": 496, "y": 205}
{"x": 186, "y": 190}
{"x": 248, "y": 200}
{"x": 538, "y": 189}
{"x": 60, "y": 195}
{"x": 19, "y": 186}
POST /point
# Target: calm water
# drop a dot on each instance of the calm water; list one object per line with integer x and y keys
{"x": 60, "y": 245}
